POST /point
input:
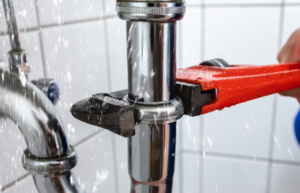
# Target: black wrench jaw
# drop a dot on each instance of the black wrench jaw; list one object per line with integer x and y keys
{"x": 112, "y": 112}
{"x": 107, "y": 110}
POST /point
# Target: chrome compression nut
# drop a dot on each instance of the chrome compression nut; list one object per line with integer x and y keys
{"x": 49, "y": 166}
{"x": 18, "y": 62}
{"x": 158, "y": 11}
{"x": 158, "y": 114}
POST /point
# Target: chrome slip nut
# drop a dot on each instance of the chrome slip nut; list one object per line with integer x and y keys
{"x": 158, "y": 114}
{"x": 151, "y": 11}
{"x": 18, "y": 62}
{"x": 49, "y": 166}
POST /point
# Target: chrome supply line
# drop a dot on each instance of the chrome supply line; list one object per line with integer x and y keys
{"x": 12, "y": 25}
{"x": 151, "y": 59}
{"x": 17, "y": 56}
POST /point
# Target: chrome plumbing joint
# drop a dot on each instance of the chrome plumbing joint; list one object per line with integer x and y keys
{"x": 151, "y": 60}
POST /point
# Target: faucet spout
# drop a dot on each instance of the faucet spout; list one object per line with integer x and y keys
{"x": 34, "y": 115}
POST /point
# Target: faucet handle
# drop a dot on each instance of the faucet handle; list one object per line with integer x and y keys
{"x": 49, "y": 87}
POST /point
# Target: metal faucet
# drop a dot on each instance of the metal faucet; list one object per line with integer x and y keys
{"x": 148, "y": 110}
{"x": 49, "y": 157}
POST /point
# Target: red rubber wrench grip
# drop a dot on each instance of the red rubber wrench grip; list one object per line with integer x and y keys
{"x": 241, "y": 83}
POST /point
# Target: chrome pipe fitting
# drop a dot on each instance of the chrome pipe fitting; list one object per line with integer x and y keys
{"x": 49, "y": 166}
{"x": 34, "y": 114}
{"x": 151, "y": 60}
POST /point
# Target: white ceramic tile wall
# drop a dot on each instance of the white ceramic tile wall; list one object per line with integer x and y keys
{"x": 4, "y": 47}
{"x": 191, "y": 172}
{"x": 26, "y": 185}
{"x": 122, "y": 163}
{"x": 292, "y": 1}
{"x": 242, "y": 1}
{"x": 90, "y": 57}
{"x": 117, "y": 53}
{"x": 191, "y": 29}
{"x": 190, "y": 133}
{"x": 193, "y": 2}
{"x": 234, "y": 176}
{"x": 240, "y": 130}
{"x": 285, "y": 146}
{"x": 75, "y": 57}
{"x": 59, "y": 12}
{"x": 242, "y": 35}
{"x": 109, "y": 7}
{"x": 285, "y": 178}
{"x": 12, "y": 146}
{"x": 290, "y": 25}
{"x": 95, "y": 169}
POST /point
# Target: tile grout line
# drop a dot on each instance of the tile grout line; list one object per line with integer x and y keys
{"x": 32, "y": 29}
{"x": 11, "y": 184}
{"x": 40, "y": 38}
{"x": 241, "y": 157}
{"x": 271, "y": 143}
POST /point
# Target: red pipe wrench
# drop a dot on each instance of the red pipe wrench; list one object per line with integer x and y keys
{"x": 240, "y": 83}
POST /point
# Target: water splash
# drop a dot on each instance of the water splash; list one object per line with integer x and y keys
{"x": 290, "y": 152}
{"x": 100, "y": 178}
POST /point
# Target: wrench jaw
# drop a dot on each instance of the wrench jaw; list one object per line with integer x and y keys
{"x": 107, "y": 110}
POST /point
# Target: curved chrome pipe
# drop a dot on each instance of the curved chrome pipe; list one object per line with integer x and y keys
{"x": 34, "y": 114}
{"x": 41, "y": 127}
{"x": 65, "y": 183}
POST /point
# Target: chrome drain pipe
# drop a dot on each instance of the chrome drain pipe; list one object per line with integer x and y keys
{"x": 49, "y": 157}
{"x": 151, "y": 57}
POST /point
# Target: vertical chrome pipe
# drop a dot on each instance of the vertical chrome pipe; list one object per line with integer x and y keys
{"x": 151, "y": 53}
{"x": 151, "y": 49}
{"x": 17, "y": 56}
{"x": 151, "y": 57}
{"x": 151, "y": 158}
{"x": 12, "y": 24}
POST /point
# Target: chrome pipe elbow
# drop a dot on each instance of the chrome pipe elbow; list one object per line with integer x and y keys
{"x": 34, "y": 114}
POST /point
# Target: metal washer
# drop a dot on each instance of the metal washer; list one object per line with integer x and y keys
{"x": 48, "y": 166}
{"x": 158, "y": 114}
